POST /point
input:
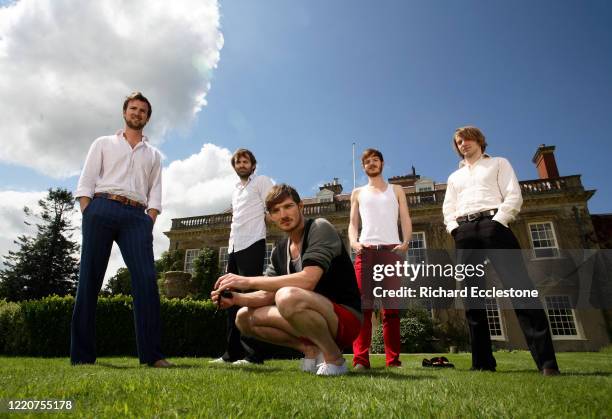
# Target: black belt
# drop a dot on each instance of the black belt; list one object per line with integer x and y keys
{"x": 475, "y": 216}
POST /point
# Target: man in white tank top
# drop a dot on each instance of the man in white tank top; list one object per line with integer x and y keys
{"x": 378, "y": 205}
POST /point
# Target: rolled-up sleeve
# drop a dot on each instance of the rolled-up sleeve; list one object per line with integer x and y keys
{"x": 91, "y": 171}
{"x": 155, "y": 184}
{"x": 510, "y": 190}
{"x": 449, "y": 207}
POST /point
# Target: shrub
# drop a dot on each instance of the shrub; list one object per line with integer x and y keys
{"x": 12, "y": 338}
{"x": 42, "y": 327}
{"x": 416, "y": 333}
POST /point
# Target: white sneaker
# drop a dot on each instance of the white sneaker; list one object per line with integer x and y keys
{"x": 311, "y": 365}
{"x": 332, "y": 369}
{"x": 242, "y": 362}
{"x": 218, "y": 361}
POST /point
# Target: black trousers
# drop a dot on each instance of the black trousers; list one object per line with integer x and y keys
{"x": 473, "y": 240}
{"x": 246, "y": 262}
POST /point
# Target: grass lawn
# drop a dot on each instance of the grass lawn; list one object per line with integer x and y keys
{"x": 119, "y": 387}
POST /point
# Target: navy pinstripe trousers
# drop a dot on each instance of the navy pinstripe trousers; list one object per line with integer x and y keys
{"x": 105, "y": 221}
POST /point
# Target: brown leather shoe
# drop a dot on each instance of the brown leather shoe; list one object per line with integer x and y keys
{"x": 550, "y": 372}
{"x": 162, "y": 363}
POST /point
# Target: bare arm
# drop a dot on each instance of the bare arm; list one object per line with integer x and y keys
{"x": 353, "y": 229}
{"x": 405, "y": 221}
{"x": 306, "y": 279}
{"x": 250, "y": 299}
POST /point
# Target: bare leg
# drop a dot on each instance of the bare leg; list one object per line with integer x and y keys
{"x": 266, "y": 323}
{"x": 312, "y": 316}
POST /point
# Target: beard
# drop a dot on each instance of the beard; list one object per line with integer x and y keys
{"x": 135, "y": 124}
{"x": 374, "y": 172}
{"x": 244, "y": 173}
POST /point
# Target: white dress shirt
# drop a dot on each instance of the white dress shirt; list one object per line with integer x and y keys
{"x": 113, "y": 166}
{"x": 489, "y": 183}
{"x": 248, "y": 212}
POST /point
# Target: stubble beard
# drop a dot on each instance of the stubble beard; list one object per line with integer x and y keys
{"x": 135, "y": 126}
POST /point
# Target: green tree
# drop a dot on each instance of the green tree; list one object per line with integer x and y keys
{"x": 206, "y": 272}
{"x": 171, "y": 260}
{"x": 46, "y": 263}
{"x": 120, "y": 283}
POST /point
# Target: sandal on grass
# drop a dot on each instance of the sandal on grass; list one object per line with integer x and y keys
{"x": 437, "y": 362}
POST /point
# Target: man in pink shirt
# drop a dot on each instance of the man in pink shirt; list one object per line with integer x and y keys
{"x": 119, "y": 192}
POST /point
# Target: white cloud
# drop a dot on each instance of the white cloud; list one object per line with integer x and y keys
{"x": 200, "y": 184}
{"x": 12, "y": 218}
{"x": 68, "y": 64}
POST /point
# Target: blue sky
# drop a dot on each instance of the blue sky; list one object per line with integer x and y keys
{"x": 299, "y": 82}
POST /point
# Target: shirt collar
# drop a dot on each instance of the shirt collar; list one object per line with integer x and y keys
{"x": 119, "y": 133}
{"x": 462, "y": 163}
{"x": 239, "y": 184}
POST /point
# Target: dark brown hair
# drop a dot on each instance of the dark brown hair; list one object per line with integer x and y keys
{"x": 279, "y": 193}
{"x": 469, "y": 133}
{"x": 243, "y": 152}
{"x": 371, "y": 152}
{"x": 137, "y": 96}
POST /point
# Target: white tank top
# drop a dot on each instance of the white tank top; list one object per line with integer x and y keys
{"x": 378, "y": 211}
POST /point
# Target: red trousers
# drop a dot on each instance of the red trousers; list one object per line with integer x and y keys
{"x": 391, "y": 328}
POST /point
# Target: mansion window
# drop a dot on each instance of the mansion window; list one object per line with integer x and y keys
{"x": 190, "y": 257}
{"x": 496, "y": 330}
{"x": 561, "y": 316}
{"x": 543, "y": 240}
{"x": 223, "y": 258}
{"x": 268, "y": 260}
{"x": 417, "y": 252}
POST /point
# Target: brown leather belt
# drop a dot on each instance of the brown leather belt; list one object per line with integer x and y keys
{"x": 476, "y": 216}
{"x": 119, "y": 198}
{"x": 380, "y": 246}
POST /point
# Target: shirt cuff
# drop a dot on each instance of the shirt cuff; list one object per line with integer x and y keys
{"x": 155, "y": 207}
{"x": 86, "y": 192}
{"x": 451, "y": 226}
{"x": 502, "y": 218}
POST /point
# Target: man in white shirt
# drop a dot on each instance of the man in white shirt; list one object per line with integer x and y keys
{"x": 246, "y": 249}
{"x": 378, "y": 205}
{"x": 482, "y": 197}
{"x": 119, "y": 192}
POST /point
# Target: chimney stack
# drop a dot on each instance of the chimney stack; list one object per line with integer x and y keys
{"x": 544, "y": 159}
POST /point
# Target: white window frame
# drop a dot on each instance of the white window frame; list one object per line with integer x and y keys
{"x": 497, "y": 313}
{"x": 223, "y": 259}
{"x": 190, "y": 256}
{"x": 570, "y": 312}
{"x": 555, "y": 248}
{"x": 268, "y": 259}
{"x": 410, "y": 247}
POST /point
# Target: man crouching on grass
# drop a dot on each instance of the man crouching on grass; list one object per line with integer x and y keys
{"x": 308, "y": 299}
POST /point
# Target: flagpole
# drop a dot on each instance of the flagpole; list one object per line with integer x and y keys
{"x": 354, "y": 182}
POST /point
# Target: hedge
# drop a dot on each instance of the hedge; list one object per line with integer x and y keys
{"x": 42, "y": 327}
{"x": 416, "y": 334}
